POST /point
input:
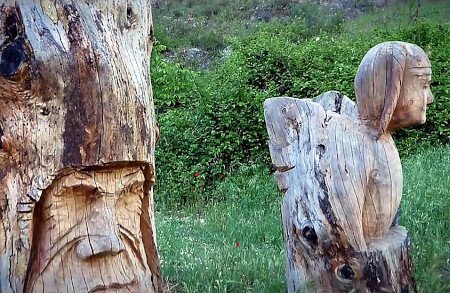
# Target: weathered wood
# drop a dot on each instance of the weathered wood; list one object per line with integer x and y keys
{"x": 341, "y": 176}
{"x": 77, "y": 147}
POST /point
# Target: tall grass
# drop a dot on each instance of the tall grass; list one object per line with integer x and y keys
{"x": 426, "y": 214}
{"x": 237, "y": 245}
{"x": 232, "y": 246}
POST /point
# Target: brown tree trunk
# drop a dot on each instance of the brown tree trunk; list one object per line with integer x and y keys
{"x": 77, "y": 147}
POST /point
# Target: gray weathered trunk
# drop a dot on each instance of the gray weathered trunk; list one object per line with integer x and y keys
{"x": 333, "y": 174}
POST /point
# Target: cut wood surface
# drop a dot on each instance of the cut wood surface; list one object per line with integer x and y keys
{"x": 341, "y": 176}
{"x": 77, "y": 147}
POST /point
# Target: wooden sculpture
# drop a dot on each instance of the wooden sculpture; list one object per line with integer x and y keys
{"x": 77, "y": 147}
{"x": 341, "y": 176}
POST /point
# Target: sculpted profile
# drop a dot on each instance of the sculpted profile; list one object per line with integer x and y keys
{"x": 341, "y": 175}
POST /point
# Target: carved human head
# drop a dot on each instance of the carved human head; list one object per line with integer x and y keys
{"x": 92, "y": 233}
{"x": 392, "y": 86}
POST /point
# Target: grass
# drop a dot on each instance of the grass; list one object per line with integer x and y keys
{"x": 211, "y": 24}
{"x": 232, "y": 246}
{"x": 426, "y": 214}
{"x": 397, "y": 16}
{"x": 237, "y": 245}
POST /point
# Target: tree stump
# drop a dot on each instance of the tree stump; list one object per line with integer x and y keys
{"x": 341, "y": 177}
{"x": 77, "y": 147}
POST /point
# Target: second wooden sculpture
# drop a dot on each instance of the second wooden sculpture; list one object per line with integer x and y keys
{"x": 341, "y": 175}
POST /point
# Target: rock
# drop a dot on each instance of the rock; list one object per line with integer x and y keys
{"x": 195, "y": 57}
{"x": 194, "y": 53}
{"x": 262, "y": 14}
{"x": 226, "y": 53}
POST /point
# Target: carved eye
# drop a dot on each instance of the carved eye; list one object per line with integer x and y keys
{"x": 1, "y": 135}
{"x": 11, "y": 58}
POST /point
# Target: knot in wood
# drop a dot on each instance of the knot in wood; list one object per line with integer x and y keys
{"x": 11, "y": 58}
{"x": 345, "y": 273}
{"x": 307, "y": 232}
{"x": 11, "y": 29}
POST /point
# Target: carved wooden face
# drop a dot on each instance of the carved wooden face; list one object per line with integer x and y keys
{"x": 74, "y": 93}
{"x": 414, "y": 98}
{"x": 89, "y": 233}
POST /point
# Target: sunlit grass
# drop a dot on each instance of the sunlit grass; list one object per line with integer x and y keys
{"x": 426, "y": 214}
{"x": 233, "y": 246}
{"x": 397, "y": 16}
{"x": 237, "y": 245}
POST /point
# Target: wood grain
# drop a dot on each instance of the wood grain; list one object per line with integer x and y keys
{"x": 75, "y": 107}
{"x": 341, "y": 177}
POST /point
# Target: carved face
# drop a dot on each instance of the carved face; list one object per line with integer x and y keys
{"x": 414, "y": 98}
{"x": 89, "y": 234}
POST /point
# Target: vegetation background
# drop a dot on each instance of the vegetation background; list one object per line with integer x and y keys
{"x": 213, "y": 65}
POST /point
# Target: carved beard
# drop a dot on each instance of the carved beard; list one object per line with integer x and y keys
{"x": 66, "y": 272}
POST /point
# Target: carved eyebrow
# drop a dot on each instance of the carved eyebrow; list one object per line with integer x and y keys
{"x": 421, "y": 70}
{"x": 88, "y": 188}
{"x": 425, "y": 78}
{"x": 130, "y": 186}
{"x": 75, "y": 183}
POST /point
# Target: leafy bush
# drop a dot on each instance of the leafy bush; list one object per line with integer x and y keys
{"x": 174, "y": 87}
{"x": 225, "y": 128}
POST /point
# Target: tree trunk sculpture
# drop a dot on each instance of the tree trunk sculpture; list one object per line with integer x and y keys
{"x": 77, "y": 147}
{"x": 341, "y": 176}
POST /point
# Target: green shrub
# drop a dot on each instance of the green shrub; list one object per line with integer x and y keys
{"x": 178, "y": 159}
{"x": 174, "y": 87}
{"x": 225, "y": 128}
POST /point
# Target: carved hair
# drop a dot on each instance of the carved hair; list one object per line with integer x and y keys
{"x": 379, "y": 80}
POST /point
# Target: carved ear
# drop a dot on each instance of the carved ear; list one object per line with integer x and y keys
{"x": 395, "y": 60}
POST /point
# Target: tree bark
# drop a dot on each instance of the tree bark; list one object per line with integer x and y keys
{"x": 77, "y": 147}
{"x": 341, "y": 188}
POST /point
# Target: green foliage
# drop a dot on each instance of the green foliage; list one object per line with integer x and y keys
{"x": 175, "y": 87}
{"x": 212, "y": 123}
{"x": 210, "y": 25}
{"x": 435, "y": 40}
{"x": 318, "y": 17}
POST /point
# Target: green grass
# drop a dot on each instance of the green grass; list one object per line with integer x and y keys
{"x": 232, "y": 246}
{"x": 397, "y": 16}
{"x": 426, "y": 214}
{"x": 211, "y": 24}
{"x": 198, "y": 243}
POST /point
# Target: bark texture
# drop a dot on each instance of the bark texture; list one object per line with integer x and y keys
{"x": 342, "y": 188}
{"x": 77, "y": 147}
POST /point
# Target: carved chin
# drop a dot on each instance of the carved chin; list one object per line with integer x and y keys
{"x": 119, "y": 273}
{"x": 424, "y": 119}
{"x": 131, "y": 287}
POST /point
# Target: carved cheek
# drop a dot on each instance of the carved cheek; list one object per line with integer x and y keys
{"x": 128, "y": 210}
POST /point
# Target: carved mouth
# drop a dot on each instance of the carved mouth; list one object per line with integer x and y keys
{"x": 116, "y": 287}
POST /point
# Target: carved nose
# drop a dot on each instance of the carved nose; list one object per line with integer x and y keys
{"x": 430, "y": 98}
{"x": 99, "y": 246}
{"x": 102, "y": 236}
